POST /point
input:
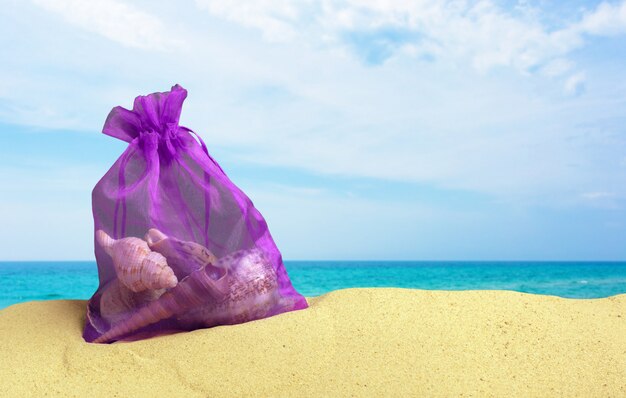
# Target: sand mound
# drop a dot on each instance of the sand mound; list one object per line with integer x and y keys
{"x": 361, "y": 342}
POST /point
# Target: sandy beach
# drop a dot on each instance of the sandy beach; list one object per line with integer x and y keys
{"x": 352, "y": 342}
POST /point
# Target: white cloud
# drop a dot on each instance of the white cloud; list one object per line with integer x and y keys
{"x": 43, "y": 116}
{"x": 607, "y": 20}
{"x": 597, "y": 195}
{"x": 450, "y": 120}
{"x": 575, "y": 84}
{"x": 480, "y": 32}
{"x": 602, "y": 199}
{"x": 115, "y": 20}
{"x": 557, "y": 67}
{"x": 275, "y": 18}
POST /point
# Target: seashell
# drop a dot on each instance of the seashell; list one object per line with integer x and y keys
{"x": 183, "y": 257}
{"x": 247, "y": 289}
{"x": 253, "y": 292}
{"x": 193, "y": 291}
{"x": 116, "y": 300}
{"x": 137, "y": 267}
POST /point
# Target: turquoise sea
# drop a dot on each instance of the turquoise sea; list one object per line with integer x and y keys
{"x": 26, "y": 281}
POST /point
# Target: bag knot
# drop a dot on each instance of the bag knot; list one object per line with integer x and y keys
{"x": 152, "y": 114}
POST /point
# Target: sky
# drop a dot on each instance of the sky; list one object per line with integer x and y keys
{"x": 361, "y": 129}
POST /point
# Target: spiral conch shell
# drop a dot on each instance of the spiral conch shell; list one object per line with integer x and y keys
{"x": 253, "y": 292}
{"x": 137, "y": 267}
{"x": 183, "y": 257}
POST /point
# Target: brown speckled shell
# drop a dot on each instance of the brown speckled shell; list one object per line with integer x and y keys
{"x": 136, "y": 266}
{"x": 182, "y": 256}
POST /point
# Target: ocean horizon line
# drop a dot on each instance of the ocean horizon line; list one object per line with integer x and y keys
{"x": 364, "y": 261}
{"x": 30, "y": 280}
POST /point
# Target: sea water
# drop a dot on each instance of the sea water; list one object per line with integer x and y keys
{"x": 27, "y": 281}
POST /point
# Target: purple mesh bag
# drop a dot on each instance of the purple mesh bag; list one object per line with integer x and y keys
{"x": 178, "y": 245}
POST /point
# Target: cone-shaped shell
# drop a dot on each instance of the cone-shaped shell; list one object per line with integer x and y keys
{"x": 182, "y": 256}
{"x": 197, "y": 289}
{"x": 136, "y": 266}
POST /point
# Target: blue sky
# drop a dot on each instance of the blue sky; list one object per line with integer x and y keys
{"x": 461, "y": 130}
